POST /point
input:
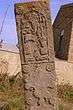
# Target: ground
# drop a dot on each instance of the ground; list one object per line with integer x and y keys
{"x": 12, "y": 88}
{"x": 64, "y": 71}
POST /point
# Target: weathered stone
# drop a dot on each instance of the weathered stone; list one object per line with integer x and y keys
{"x": 63, "y": 33}
{"x": 37, "y": 55}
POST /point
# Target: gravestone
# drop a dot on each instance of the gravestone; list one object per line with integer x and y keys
{"x": 37, "y": 55}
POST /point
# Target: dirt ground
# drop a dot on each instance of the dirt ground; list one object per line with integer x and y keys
{"x": 64, "y": 71}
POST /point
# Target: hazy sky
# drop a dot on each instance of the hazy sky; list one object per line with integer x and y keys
{"x": 9, "y": 29}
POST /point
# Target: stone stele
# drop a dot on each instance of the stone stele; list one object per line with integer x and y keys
{"x": 37, "y": 55}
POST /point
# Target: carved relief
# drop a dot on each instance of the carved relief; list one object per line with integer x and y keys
{"x": 39, "y": 85}
{"x": 34, "y": 33}
{"x": 38, "y": 71}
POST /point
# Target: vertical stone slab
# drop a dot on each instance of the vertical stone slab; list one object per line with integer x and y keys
{"x": 37, "y": 56}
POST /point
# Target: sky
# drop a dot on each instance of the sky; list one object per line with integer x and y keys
{"x": 9, "y": 34}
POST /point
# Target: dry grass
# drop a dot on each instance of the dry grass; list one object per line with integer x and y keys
{"x": 11, "y": 93}
{"x": 65, "y": 94}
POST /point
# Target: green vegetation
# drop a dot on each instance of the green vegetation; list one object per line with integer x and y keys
{"x": 61, "y": 107}
{"x": 65, "y": 92}
{"x": 11, "y": 93}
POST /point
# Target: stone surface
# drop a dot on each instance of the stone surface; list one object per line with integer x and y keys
{"x": 37, "y": 56}
{"x": 64, "y": 23}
